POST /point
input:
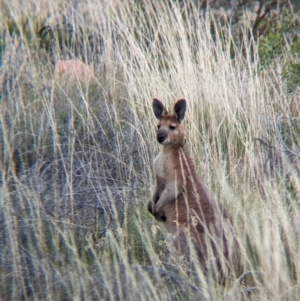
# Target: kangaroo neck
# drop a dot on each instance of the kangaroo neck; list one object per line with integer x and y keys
{"x": 173, "y": 148}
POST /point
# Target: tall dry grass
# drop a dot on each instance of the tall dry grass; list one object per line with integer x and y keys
{"x": 77, "y": 158}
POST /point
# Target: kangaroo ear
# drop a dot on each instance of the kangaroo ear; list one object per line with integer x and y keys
{"x": 159, "y": 109}
{"x": 179, "y": 109}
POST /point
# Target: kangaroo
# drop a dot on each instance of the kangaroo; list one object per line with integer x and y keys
{"x": 184, "y": 204}
{"x": 74, "y": 70}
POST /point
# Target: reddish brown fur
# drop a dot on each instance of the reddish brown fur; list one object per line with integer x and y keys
{"x": 184, "y": 203}
{"x": 73, "y": 70}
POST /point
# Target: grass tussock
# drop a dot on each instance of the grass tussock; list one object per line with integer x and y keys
{"x": 76, "y": 157}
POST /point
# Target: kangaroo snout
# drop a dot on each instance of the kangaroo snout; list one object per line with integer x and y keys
{"x": 161, "y": 137}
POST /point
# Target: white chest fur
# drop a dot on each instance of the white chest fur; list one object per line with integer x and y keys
{"x": 159, "y": 165}
{"x": 163, "y": 166}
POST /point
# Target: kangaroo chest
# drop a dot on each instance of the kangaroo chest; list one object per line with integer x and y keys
{"x": 160, "y": 165}
{"x": 165, "y": 167}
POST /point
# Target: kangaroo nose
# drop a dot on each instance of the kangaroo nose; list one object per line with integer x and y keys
{"x": 161, "y": 137}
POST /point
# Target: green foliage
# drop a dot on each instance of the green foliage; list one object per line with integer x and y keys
{"x": 139, "y": 225}
{"x": 61, "y": 39}
{"x": 281, "y": 45}
{"x": 2, "y": 48}
{"x": 291, "y": 73}
{"x": 70, "y": 40}
{"x": 289, "y": 132}
{"x": 25, "y": 27}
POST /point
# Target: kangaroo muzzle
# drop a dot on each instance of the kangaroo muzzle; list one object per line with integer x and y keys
{"x": 162, "y": 136}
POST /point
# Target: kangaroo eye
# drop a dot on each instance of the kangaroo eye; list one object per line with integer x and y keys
{"x": 172, "y": 127}
{"x": 158, "y": 126}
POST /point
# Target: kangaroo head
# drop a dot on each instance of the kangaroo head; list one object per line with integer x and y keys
{"x": 169, "y": 129}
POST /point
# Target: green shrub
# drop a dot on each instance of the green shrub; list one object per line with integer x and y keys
{"x": 281, "y": 46}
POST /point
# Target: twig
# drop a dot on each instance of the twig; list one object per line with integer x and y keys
{"x": 259, "y": 17}
{"x": 287, "y": 150}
